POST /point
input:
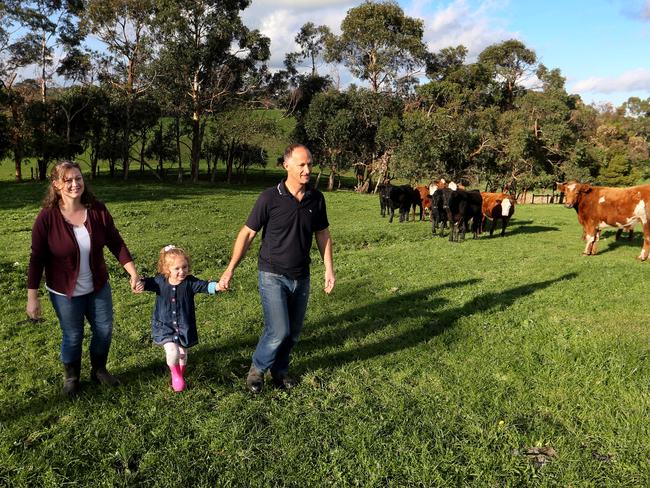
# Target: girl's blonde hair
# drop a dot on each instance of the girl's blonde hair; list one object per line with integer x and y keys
{"x": 52, "y": 195}
{"x": 170, "y": 252}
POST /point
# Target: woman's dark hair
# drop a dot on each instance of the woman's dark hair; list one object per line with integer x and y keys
{"x": 52, "y": 196}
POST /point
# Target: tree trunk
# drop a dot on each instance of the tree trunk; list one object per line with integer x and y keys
{"x": 126, "y": 146}
{"x": 178, "y": 148}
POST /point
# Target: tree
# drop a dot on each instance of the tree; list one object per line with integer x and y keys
{"x": 510, "y": 62}
{"x": 312, "y": 40}
{"x": 331, "y": 125}
{"x": 124, "y": 26}
{"x": 380, "y": 44}
{"x": 199, "y": 60}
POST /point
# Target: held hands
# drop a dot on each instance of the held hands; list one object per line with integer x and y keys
{"x": 224, "y": 281}
{"x": 137, "y": 283}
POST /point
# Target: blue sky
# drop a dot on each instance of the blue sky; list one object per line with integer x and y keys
{"x": 602, "y": 47}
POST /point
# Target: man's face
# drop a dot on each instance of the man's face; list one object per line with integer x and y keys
{"x": 298, "y": 166}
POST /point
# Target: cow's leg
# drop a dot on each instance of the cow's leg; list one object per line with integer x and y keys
{"x": 493, "y": 226}
{"x": 505, "y": 222}
{"x": 391, "y": 211}
{"x": 590, "y": 237}
{"x": 646, "y": 241}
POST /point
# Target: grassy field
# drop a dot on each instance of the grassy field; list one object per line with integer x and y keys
{"x": 498, "y": 362}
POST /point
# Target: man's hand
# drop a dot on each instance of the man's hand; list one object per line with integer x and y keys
{"x": 330, "y": 280}
{"x": 224, "y": 281}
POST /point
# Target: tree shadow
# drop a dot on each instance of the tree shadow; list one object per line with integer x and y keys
{"x": 524, "y": 227}
{"x": 327, "y": 334}
{"x": 418, "y": 305}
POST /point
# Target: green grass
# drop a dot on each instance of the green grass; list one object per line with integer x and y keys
{"x": 431, "y": 364}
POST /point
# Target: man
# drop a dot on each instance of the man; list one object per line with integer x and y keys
{"x": 289, "y": 214}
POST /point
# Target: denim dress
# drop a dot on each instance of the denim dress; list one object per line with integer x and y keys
{"x": 174, "y": 318}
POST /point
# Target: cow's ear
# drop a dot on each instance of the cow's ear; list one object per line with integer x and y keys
{"x": 585, "y": 188}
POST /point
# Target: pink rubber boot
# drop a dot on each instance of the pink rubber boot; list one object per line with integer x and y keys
{"x": 178, "y": 382}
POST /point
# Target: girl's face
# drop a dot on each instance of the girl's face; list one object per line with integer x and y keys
{"x": 177, "y": 269}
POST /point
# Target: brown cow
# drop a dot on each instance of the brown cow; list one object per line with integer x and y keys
{"x": 497, "y": 206}
{"x": 424, "y": 197}
{"x": 600, "y": 206}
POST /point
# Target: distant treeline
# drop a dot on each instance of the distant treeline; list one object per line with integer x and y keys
{"x": 183, "y": 82}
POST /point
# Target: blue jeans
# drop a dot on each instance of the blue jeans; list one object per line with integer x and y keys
{"x": 97, "y": 307}
{"x": 284, "y": 302}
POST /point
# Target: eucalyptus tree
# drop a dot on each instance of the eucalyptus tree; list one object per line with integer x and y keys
{"x": 45, "y": 28}
{"x": 380, "y": 44}
{"x": 311, "y": 39}
{"x": 209, "y": 56}
{"x": 331, "y": 124}
{"x": 511, "y": 64}
{"x": 125, "y": 27}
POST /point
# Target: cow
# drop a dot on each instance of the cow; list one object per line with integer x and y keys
{"x": 437, "y": 185}
{"x": 403, "y": 197}
{"x": 497, "y": 206}
{"x": 425, "y": 199}
{"x": 384, "y": 198}
{"x": 462, "y": 207}
{"x": 438, "y": 215}
{"x": 600, "y": 206}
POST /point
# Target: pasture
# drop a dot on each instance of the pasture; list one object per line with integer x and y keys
{"x": 509, "y": 361}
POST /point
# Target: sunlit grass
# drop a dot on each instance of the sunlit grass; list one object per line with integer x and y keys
{"x": 431, "y": 364}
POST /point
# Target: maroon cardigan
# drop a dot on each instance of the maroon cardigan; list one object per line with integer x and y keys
{"x": 55, "y": 249}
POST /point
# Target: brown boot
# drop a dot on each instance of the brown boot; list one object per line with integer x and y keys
{"x": 255, "y": 380}
{"x": 71, "y": 385}
{"x": 99, "y": 374}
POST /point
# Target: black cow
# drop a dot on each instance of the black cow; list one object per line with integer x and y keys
{"x": 438, "y": 215}
{"x": 404, "y": 197}
{"x": 462, "y": 207}
{"x": 384, "y": 198}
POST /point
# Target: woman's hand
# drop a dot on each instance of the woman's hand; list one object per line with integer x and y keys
{"x": 33, "y": 305}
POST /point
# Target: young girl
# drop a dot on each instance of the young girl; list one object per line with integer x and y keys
{"x": 174, "y": 320}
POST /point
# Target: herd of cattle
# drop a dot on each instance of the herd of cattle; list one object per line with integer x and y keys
{"x": 448, "y": 205}
{"x": 451, "y": 205}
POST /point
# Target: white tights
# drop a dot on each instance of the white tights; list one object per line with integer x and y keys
{"x": 175, "y": 354}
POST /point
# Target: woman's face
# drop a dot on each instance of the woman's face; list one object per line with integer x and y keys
{"x": 71, "y": 184}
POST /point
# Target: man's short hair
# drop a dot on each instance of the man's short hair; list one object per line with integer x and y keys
{"x": 289, "y": 151}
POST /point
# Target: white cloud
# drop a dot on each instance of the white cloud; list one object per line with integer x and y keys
{"x": 460, "y": 23}
{"x": 281, "y": 20}
{"x": 632, "y": 80}
{"x": 300, "y": 4}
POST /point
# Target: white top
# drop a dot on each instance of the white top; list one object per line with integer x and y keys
{"x": 84, "y": 283}
{"x": 85, "y": 277}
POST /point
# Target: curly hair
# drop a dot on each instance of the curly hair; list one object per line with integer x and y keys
{"x": 170, "y": 252}
{"x": 53, "y": 196}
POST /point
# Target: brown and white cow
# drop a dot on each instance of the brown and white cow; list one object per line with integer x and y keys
{"x": 497, "y": 206}
{"x": 600, "y": 206}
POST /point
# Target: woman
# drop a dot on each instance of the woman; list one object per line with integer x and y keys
{"x": 68, "y": 238}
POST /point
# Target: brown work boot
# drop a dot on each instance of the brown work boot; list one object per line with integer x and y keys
{"x": 99, "y": 374}
{"x": 71, "y": 385}
{"x": 255, "y": 380}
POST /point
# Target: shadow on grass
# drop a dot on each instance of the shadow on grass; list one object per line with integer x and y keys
{"x": 415, "y": 305}
{"x": 328, "y": 334}
{"x": 524, "y": 227}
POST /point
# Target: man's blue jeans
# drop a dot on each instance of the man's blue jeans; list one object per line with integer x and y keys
{"x": 97, "y": 307}
{"x": 284, "y": 302}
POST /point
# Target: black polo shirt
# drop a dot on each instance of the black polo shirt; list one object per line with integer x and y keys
{"x": 288, "y": 226}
